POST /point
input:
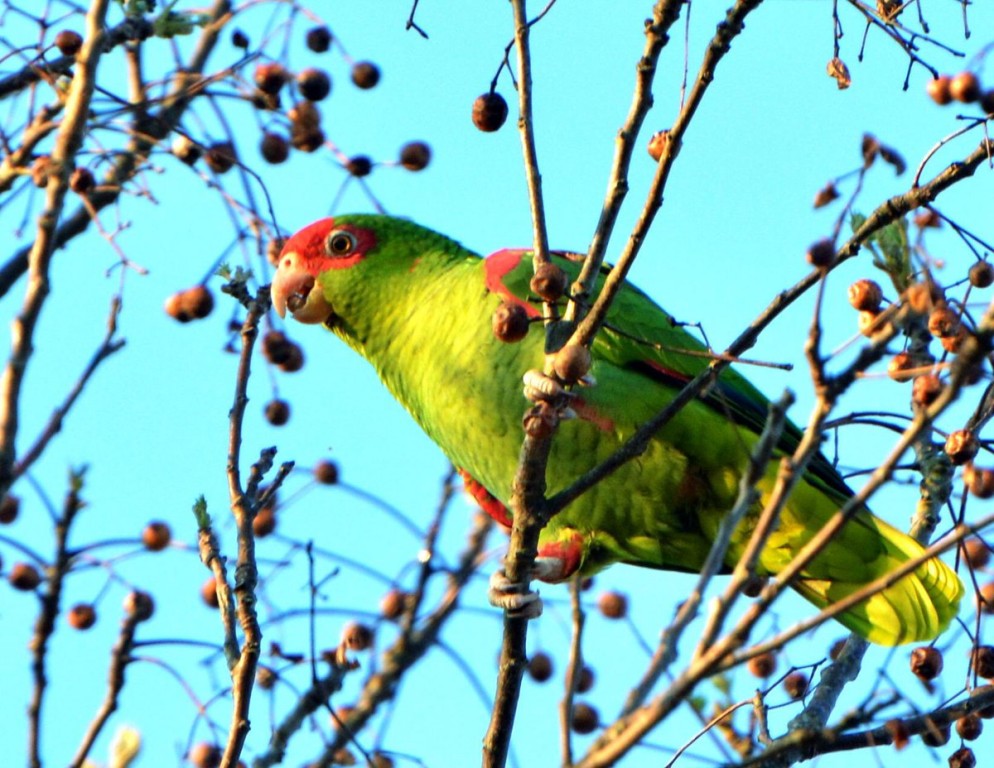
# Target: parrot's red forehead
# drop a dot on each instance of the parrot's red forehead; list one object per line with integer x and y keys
{"x": 311, "y": 245}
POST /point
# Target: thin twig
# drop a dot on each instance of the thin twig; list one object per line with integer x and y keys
{"x": 51, "y": 600}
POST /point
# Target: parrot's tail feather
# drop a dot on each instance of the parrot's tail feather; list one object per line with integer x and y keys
{"x": 915, "y": 608}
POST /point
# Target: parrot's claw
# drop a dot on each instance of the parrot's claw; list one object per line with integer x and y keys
{"x": 503, "y": 594}
{"x": 540, "y": 387}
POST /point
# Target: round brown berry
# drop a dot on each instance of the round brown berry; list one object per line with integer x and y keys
{"x": 308, "y": 140}
{"x": 489, "y": 111}
{"x": 936, "y": 735}
{"x": 938, "y": 89}
{"x": 921, "y": 297}
{"x": 326, "y": 472}
{"x": 953, "y": 343}
{"x": 965, "y": 87}
{"x": 612, "y": 605}
{"x": 865, "y": 295}
{"x": 927, "y": 219}
{"x": 540, "y": 667}
{"x": 510, "y": 322}
{"x": 264, "y": 522}
{"x": 266, "y": 677}
{"x": 836, "y": 650}
{"x": 981, "y": 274}
{"x": 270, "y": 77}
{"x": 220, "y": 157}
{"x": 415, "y": 155}
{"x": 899, "y": 734}
{"x": 274, "y": 148}
{"x": 81, "y": 616}
{"x": 81, "y": 181}
{"x": 549, "y": 282}
{"x": 978, "y": 481}
{"x": 357, "y": 637}
{"x": 969, "y": 727}
{"x": 585, "y": 718}
{"x": 796, "y": 685}
{"x": 976, "y": 553}
{"x": 754, "y": 585}
{"x": 381, "y": 760}
{"x": 193, "y": 303}
{"x": 982, "y": 661}
{"x": 962, "y": 446}
{"x": 318, "y": 39}
{"x": 963, "y": 758}
{"x": 198, "y": 301}
{"x": 204, "y": 755}
{"x": 186, "y": 150}
{"x": 304, "y": 115}
{"x": 359, "y": 166}
{"x": 239, "y": 39}
{"x": 68, "y": 42}
{"x": 821, "y": 254}
{"x": 926, "y": 662}
{"x": 572, "y": 363}
{"x": 156, "y": 536}
{"x": 365, "y": 75}
{"x": 139, "y": 604}
{"x": 763, "y": 665}
{"x": 313, "y": 84}
{"x": 24, "y": 577}
{"x": 925, "y": 389}
{"x": 276, "y": 347}
{"x": 294, "y": 359}
{"x": 902, "y": 367}
{"x": 392, "y": 604}
{"x": 9, "y": 508}
{"x": 277, "y": 412}
{"x": 942, "y": 321}
{"x": 987, "y": 101}
{"x": 41, "y": 170}
{"x": 208, "y": 593}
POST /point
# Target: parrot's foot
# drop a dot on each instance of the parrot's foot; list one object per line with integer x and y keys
{"x": 504, "y": 594}
{"x": 548, "y": 568}
{"x": 542, "y": 389}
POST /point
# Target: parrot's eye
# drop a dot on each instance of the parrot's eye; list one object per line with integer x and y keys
{"x": 340, "y": 243}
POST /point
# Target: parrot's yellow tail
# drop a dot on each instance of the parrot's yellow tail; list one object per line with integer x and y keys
{"x": 915, "y": 608}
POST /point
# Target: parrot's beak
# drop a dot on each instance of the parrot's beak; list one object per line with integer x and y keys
{"x": 296, "y": 290}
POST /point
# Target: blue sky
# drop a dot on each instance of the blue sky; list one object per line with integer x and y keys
{"x": 736, "y": 221}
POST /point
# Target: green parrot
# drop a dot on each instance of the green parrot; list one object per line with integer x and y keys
{"x": 419, "y": 307}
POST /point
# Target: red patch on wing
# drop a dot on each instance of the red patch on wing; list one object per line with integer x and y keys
{"x": 487, "y": 501}
{"x": 587, "y": 412}
{"x": 497, "y": 265}
{"x": 669, "y": 373}
{"x": 309, "y": 245}
{"x": 568, "y": 553}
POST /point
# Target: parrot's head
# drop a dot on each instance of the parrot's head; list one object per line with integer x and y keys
{"x": 311, "y": 257}
{"x": 353, "y": 272}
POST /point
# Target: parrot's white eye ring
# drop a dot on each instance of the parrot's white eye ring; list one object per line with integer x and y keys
{"x": 340, "y": 243}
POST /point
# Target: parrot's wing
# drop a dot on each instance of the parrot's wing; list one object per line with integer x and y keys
{"x": 641, "y": 337}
